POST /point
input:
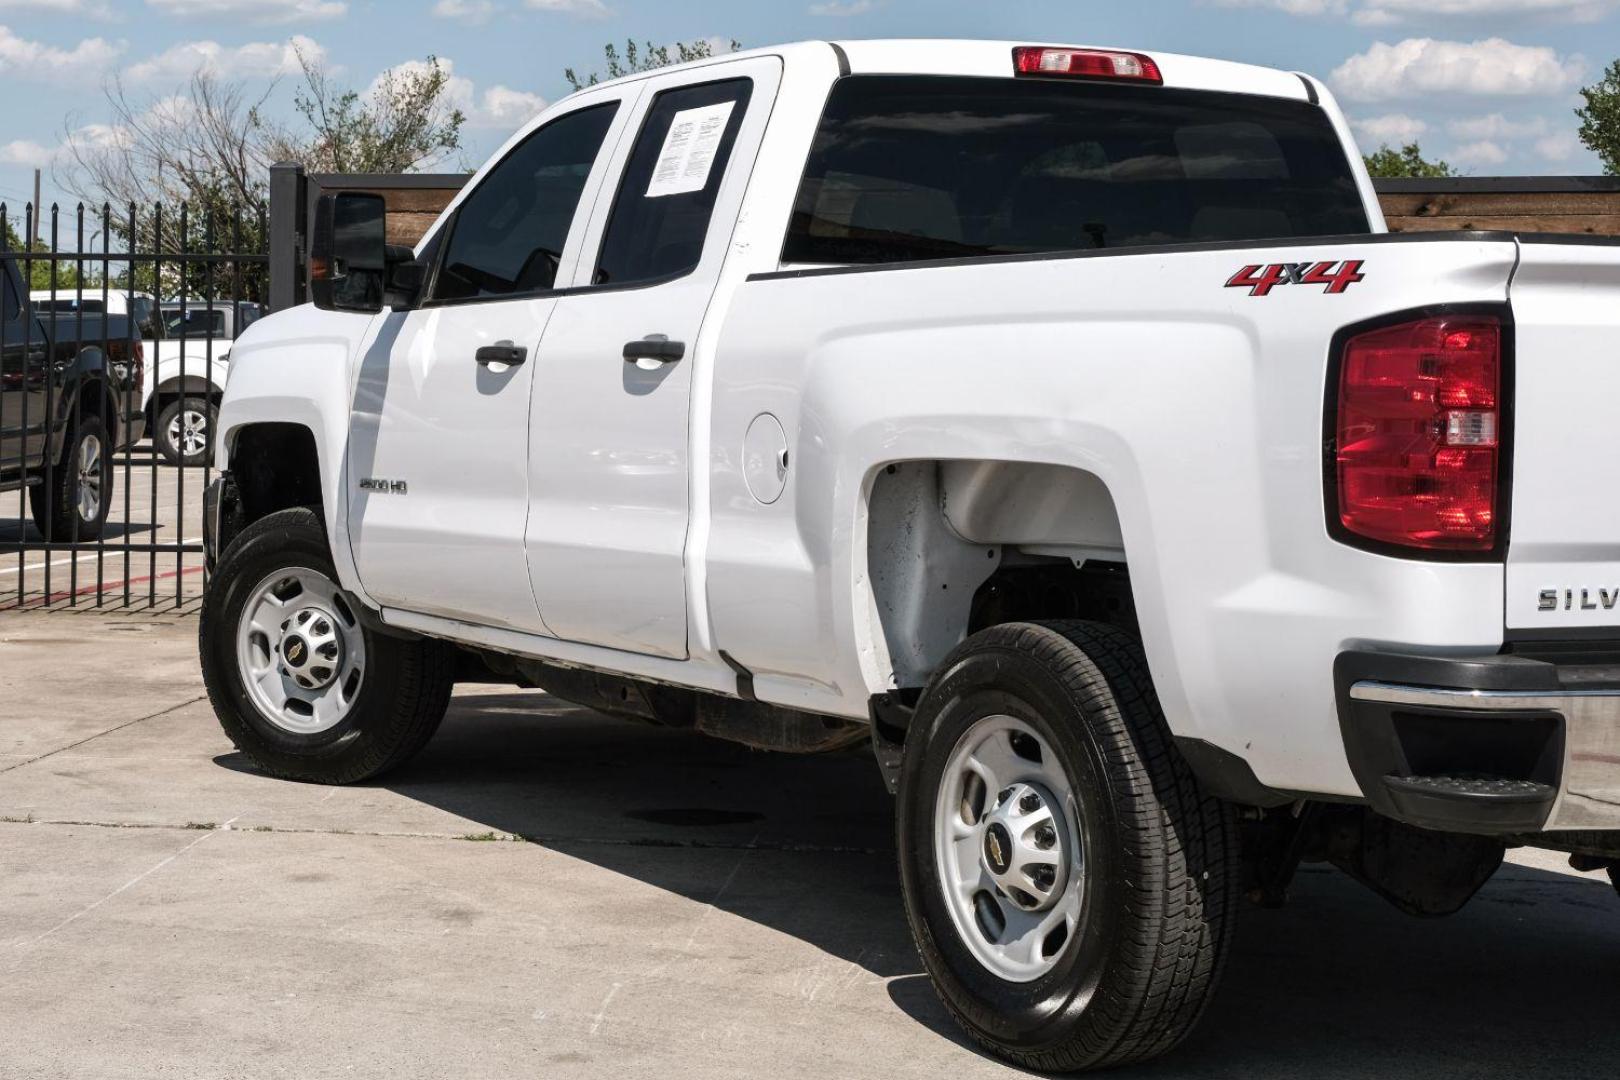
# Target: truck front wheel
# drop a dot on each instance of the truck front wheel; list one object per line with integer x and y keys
{"x": 300, "y": 683}
{"x": 1069, "y": 886}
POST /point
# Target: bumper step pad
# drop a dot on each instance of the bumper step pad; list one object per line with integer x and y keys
{"x": 1500, "y": 804}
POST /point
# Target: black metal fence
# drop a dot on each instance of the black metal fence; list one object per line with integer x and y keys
{"x": 115, "y": 332}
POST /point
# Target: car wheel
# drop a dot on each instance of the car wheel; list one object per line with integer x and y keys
{"x": 73, "y": 501}
{"x": 1069, "y": 886}
{"x": 182, "y": 431}
{"x": 301, "y": 684}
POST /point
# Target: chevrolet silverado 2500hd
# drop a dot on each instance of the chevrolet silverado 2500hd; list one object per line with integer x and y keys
{"x": 1060, "y": 421}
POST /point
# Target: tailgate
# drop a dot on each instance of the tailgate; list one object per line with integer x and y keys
{"x": 1563, "y": 569}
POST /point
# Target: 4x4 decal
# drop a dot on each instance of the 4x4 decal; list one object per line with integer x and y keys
{"x": 1260, "y": 280}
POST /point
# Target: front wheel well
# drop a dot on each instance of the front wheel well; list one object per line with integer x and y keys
{"x": 276, "y": 467}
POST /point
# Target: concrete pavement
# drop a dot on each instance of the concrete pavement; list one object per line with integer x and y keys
{"x": 675, "y": 907}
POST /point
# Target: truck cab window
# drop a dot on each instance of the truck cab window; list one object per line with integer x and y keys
{"x": 508, "y": 235}
{"x": 661, "y": 213}
{"x": 929, "y": 167}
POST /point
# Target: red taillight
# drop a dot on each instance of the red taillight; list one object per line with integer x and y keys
{"x": 1085, "y": 63}
{"x": 1419, "y": 427}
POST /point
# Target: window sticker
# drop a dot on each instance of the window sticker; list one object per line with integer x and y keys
{"x": 688, "y": 153}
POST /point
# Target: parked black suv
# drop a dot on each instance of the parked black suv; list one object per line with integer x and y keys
{"x": 70, "y": 394}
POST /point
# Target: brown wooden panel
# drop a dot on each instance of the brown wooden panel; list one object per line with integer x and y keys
{"x": 1573, "y": 224}
{"x": 407, "y": 228}
{"x": 419, "y": 200}
{"x": 1501, "y": 205}
{"x": 409, "y": 200}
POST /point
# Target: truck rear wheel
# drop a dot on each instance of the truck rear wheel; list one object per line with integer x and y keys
{"x": 300, "y": 683}
{"x": 1069, "y": 886}
{"x": 73, "y": 501}
{"x": 181, "y": 431}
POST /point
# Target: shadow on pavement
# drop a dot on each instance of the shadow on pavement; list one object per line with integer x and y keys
{"x": 1520, "y": 984}
{"x": 14, "y": 529}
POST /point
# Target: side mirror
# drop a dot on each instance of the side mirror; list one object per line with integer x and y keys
{"x": 348, "y": 257}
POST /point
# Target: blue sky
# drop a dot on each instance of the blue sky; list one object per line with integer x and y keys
{"x": 1488, "y": 84}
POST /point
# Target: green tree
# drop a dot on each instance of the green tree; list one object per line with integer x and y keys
{"x": 68, "y": 275}
{"x": 404, "y": 123}
{"x": 1600, "y": 118}
{"x": 209, "y": 147}
{"x": 645, "y": 58}
{"x": 1386, "y": 162}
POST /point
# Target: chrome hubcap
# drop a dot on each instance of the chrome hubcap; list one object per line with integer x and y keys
{"x": 89, "y": 470}
{"x": 301, "y": 651}
{"x": 311, "y": 648}
{"x": 1006, "y": 843}
{"x": 188, "y": 432}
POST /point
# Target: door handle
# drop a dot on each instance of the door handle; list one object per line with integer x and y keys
{"x": 654, "y": 347}
{"x": 502, "y": 352}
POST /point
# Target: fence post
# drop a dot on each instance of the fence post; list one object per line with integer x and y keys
{"x": 287, "y": 235}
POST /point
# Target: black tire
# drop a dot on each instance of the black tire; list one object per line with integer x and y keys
{"x": 165, "y": 443}
{"x": 54, "y": 504}
{"x": 404, "y": 688}
{"x": 1162, "y": 861}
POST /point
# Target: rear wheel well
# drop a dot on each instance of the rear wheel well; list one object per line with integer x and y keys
{"x": 956, "y": 546}
{"x": 174, "y": 389}
{"x": 275, "y": 467}
{"x": 94, "y": 400}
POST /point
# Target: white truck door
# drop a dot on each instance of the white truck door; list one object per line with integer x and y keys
{"x": 439, "y": 447}
{"x": 609, "y": 457}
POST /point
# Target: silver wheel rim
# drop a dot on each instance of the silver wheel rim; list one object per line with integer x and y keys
{"x": 89, "y": 500}
{"x": 301, "y": 651}
{"x": 1006, "y": 844}
{"x": 188, "y": 432}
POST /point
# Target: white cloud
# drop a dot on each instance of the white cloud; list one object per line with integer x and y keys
{"x": 1558, "y": 147}
{"x": 23, "y": 59}
{"x": 1421, "y": 67}
{"x": 582, "y": 9}
{"x": 503, "y": 107}
{"x": 1307, "y": 8}
{"x": 1496, "y": 126}
{"x": 258, "y": 59}
{"x": 92, "y": 9}
{"x": 836, "y": 9}
{"x": 1483, "y": 152}
{"x": 1390, "y": 12}
{"x": 496, "y": 107}
{"x": 254, "y": 11}
{"x": 1394, "y": 129}
{"x": 26, "y": 152}
{"x": 472, "y": 12}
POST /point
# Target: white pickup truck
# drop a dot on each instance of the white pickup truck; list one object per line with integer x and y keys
{"x": 1060, "y": 421}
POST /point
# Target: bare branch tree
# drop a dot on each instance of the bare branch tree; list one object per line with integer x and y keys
{"x": 204, "y": 143}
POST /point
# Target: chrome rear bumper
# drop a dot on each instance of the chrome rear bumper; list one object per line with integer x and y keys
{"x": 1500, "y": 744}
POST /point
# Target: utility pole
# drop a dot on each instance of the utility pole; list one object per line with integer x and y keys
{"x": 34, "y": 240}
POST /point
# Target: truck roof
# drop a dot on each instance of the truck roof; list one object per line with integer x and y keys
{"x": 950, "y": 56}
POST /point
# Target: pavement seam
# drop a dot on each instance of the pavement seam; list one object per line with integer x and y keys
{"x": 557, "y": 842}
{"x": 109, "y": 731}
{"x": 126, "y": 886}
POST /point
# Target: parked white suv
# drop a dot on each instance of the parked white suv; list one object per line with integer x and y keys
{"x": 1060, "y": 420}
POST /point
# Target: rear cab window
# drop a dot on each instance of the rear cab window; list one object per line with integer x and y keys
{"x": 908, "y": 168}
{"x": 667, "y": 195}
